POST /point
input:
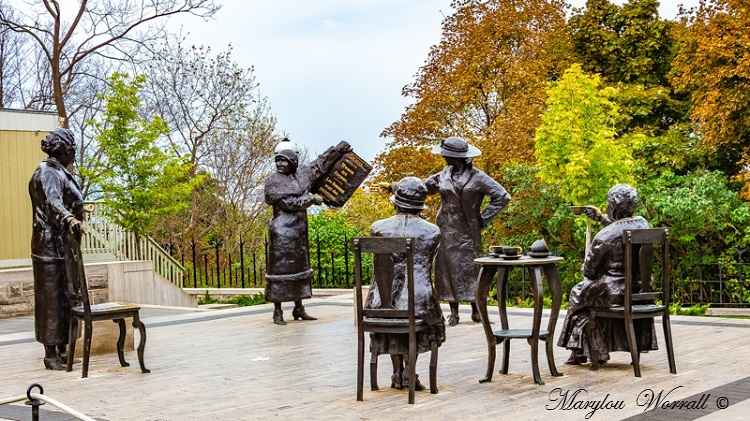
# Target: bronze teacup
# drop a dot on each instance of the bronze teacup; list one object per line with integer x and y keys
{"x": 512, "y": 250}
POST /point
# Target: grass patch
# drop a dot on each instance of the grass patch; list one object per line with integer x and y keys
{"x": 240, "y": 300}
{"x": 695, "y": 310}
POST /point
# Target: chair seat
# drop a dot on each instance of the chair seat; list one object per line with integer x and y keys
{"x": 420, "y": 324}
{"x": 637, "y": 308}
{"x": 108, "y": 308}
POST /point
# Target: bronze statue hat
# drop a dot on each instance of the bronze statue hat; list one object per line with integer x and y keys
{"x": 456, "y": 147}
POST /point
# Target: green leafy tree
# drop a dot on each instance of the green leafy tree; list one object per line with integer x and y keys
{"x": 576, "y": 146}
{"x": 330, "y": 241}
{"x": 140, "y": 181}
{"x": 628, "y": 43}
{"x": 705, "y": 216}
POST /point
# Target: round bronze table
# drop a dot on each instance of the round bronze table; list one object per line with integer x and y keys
{"x": 489, "y": 266}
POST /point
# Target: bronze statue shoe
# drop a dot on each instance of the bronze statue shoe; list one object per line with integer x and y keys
{"x": 418, "y": 386}
{"x": 54, "y": 363}
{"x": 397, "y": 381}
{"x": 278, "y": 317}
{"x": 300, "y": 313}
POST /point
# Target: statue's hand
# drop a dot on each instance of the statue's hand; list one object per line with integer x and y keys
{"x": 384, "y": 187}
{"x": 317, "y": 199}
{"x": 75, "y": 227}
{"x": 593, "y": 213}
{"x": 344, "y": 147}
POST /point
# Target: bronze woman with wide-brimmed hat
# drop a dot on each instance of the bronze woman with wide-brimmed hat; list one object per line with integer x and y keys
{"x": 57, "y": 207}
{"x": 462, "y": 189}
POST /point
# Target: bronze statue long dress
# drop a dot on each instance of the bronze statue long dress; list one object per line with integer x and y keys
{"x": 288, "y": 269}
{"x": 56, "y": 200}
{"x": 604, "y": 286}
{"x": 427, "y": 236}
{"x": 461, "y": 221}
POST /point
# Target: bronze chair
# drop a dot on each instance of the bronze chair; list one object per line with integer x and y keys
{"x": 82, "y": 311}
{"x": 386, "y": 319}
{"x": 641, "y": 301}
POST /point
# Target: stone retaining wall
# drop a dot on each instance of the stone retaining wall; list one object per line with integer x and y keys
{"x": 17, "y": 291}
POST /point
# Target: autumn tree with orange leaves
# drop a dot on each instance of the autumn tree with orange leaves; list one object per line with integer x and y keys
{"x": 484, "y": 81}
{"x": 713, "y": 67}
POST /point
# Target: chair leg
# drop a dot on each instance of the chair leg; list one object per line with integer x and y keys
{"x": 668, "y": 342}
{"x": 121, "y": 342}
{"x": 433, "y": 367}
{"x": 360, "y": 363}
{"x": 87, "y": 331}
{"x": 412, "y": 363}
{"x": 633, "y": 347}
{"x": 506, "y": 356}
{"x": 593, "y": 352}
{"x": 374, "y": 371}
{"x": 142, "y": 343}
{"x": 72, "y": 336}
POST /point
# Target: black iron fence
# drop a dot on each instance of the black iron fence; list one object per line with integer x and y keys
{"x": 720, "y": 283}
{"x": 218, "y": 266}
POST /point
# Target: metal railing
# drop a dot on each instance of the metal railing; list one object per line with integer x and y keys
{"x": 219, "y": 266}
{"x": 35, "y": 400}
{"x": 106, "y": 237}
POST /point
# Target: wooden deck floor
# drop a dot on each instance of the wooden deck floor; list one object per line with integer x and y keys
{"x": 236, "y": 365}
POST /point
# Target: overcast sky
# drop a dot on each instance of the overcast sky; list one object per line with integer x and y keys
{"x": 333, "y": 70}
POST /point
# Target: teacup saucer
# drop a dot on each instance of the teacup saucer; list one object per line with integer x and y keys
{"x": 539, "y": 254}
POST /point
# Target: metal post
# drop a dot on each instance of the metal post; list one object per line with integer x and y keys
{"x": 333, "y": 269}
{"x": 229, "y": 267}
{"x": 195, "y": 266}
{"x": 346, "y": 260}
{"x": 218, "y": 267}
{"x": 205, "y": 268}
{"x": 35, "y": 403}
{"x": 242, "y": 264}
{"x": 317, "y": 240}
{"x": 255, "y": 270}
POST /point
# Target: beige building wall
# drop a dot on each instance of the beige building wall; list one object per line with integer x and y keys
{"x": 20, "y": 153}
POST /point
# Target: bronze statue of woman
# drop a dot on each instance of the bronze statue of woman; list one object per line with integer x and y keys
{"x": 604, "y": 284}
{"x": 287, "y": 191}
{"x": 461, "y": 220}
{"x": 57, "y": 207}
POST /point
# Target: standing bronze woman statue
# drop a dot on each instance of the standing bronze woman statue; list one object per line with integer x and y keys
{"x": 604, "y": 284}
{"x": 461, "y": 220}
{"x": 288, "y": 273}
{"x": 57, "y": 207}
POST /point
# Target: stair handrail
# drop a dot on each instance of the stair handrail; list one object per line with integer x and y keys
{"x": 109, "y": 237}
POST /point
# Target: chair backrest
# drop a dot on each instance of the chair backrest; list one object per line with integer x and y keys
{"x": 76, "y": 278}
{"x": 387, "y": 252}
{"x": 638, "y": 246}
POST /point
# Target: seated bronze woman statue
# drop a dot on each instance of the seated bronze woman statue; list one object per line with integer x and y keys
{"x": 604, "y": 285}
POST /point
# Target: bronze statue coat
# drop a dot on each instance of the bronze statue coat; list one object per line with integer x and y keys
{"x": 426, "y": 305}
{"x": 288, "y": 269}
{"x": 604, "y": 286}
{"x": 55, "y": 199}
{"x": 461, "y": 222}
